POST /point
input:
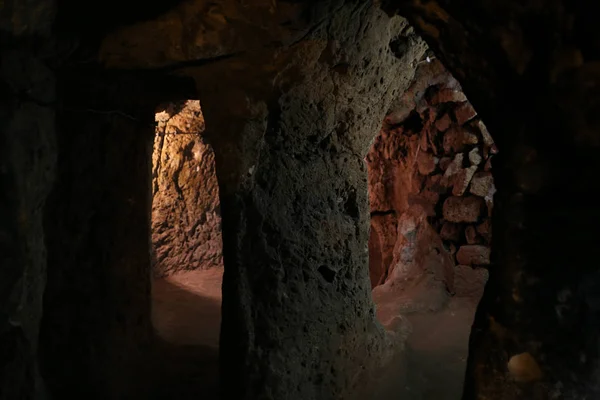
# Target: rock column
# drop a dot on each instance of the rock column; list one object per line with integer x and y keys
{"x": 298, "y": 322}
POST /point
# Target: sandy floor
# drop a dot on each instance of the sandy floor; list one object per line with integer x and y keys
{"x": 187, "y": 307}
{"x": 186, "y": 316}
{"x": 438, "y": 349}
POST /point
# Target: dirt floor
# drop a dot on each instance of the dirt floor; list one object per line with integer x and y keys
{"x": 187, "y": 307}
{"x": 186, "y": 313}
{"x": 437, "y": 352}
{"x": 186, "y": 317}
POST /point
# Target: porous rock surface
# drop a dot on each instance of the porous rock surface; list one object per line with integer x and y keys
{"x": 540, "y": 307}
{"x": 289, "y": 148}
{"x": 422, "y": 272}
{"x": 186, "y": 220}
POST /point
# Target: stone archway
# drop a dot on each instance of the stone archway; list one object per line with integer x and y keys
{"x": 430, "y": 192}
{"x": 528, "y": 88}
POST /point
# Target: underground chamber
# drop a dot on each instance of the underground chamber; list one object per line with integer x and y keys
{"x": 339, "y": 275}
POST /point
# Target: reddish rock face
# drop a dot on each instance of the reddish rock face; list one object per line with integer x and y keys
{"x": 473, "y": 255}
{"x": 428, "y": 160}
{"x": 485, "y": 229}
{"x": 457, "y": 139}
{"x": 426, "y": 163}
{"x": 471, "y": 235}
{"x": 464, "y": 113}
{"x": 451, "y": 231}
{"x": 381, "y": 246}
{"x": 443, "y": 123}
{"x": 421, "y": 171}
{"x": 488, "y": 165}
{"x": 445, "y": 163}
{"x": 422, "y": 272}
{"x": 435, "y": 184}
{"x": 463, "y": 209}
{"x": 469, "y": 281}
{"x": 454, "y": 166}
{"x": 448, "y": 96}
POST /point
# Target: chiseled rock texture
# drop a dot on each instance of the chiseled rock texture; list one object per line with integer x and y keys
{"x": 186, "y": 220}
{"x": 422, "y": 271}
{"x": 431, "y": 153}
{"x": 536, "y": 332}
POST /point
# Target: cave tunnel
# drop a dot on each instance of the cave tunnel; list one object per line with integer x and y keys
{"x": 414, "y": 168}
{"x": 348, "y": 209}
{"x": 431, "y": 199}
{"x": 187, "y": 249}
{"x": 186, "y": 253}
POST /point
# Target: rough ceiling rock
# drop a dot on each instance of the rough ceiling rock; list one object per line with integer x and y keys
{"x": 202, "y": 31}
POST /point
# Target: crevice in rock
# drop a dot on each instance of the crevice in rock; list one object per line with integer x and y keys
{"x": 350, "y": 206}
{"x": 327, "y": 273}
{"x": 381, "y": 213}
{"x": 399, "y": 46}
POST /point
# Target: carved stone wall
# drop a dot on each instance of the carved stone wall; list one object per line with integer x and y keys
{"x": 433, "y": 154}
{"x": 186, "y": 220}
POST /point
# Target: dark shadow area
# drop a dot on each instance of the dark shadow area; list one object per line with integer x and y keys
{"x": 181, "y": 370}
{"x": 184, "y": 317}
{"x": 437, "y": 358}
{"x": 184, "y": 372}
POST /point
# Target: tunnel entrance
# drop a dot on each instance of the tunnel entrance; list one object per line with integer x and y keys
{"x": 431, "y": 198}
{"x": 187, "y": 261}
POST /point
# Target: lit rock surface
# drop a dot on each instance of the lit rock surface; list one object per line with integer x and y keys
{"x": 186, "y": 221}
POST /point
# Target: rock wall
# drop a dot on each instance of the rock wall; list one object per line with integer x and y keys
{"x": 536, "y": 331}
{"x": 96, "y": 315}
{"x": 27, "y": 172}
{"x": 433, "y": 155}
{"x": 96, "y": 308}
{"x": 186, "y": 220}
